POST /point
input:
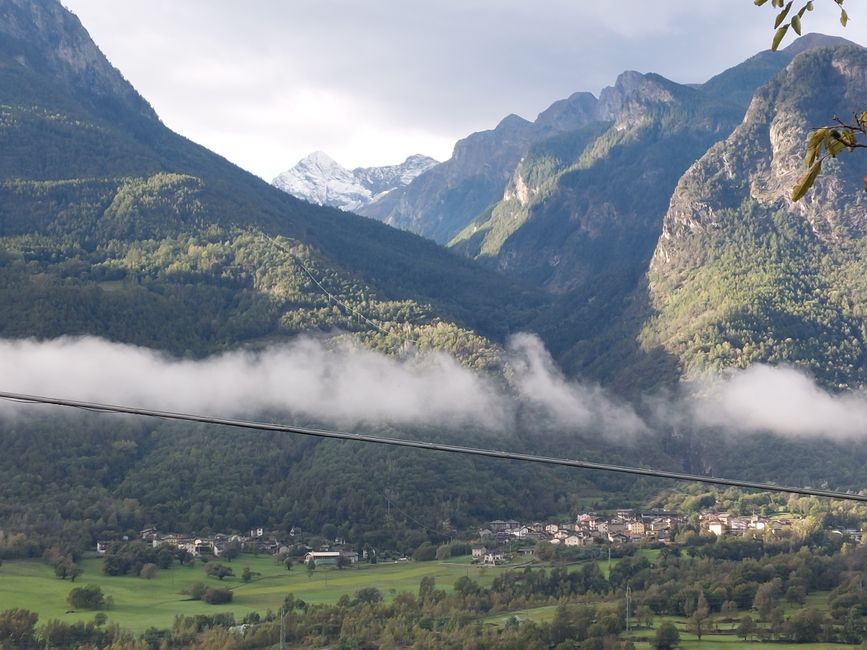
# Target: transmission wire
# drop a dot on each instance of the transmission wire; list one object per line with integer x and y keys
{"x": 429, "y": 446}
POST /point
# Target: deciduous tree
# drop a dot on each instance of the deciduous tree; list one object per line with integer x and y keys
{"x": 17, "y": 628}
{"x": 87, "y": 597}
{"x": 666, "y": 637}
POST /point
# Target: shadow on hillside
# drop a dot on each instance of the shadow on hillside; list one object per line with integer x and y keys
{"x": 593, "y": 334}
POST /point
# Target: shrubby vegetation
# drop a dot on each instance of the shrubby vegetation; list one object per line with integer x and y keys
{"x": 772, "y": 291}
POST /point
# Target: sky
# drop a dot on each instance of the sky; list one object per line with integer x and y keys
{"x": 370, "y": 82}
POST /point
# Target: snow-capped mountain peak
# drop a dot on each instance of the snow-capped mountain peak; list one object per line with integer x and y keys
{"x": 318, "y": 178}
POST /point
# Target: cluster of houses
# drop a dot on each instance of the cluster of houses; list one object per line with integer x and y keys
{"x": 724, "y": 523}
{"x": 589, "y": 528}
{"x": 632, "y": 526}
{"x": 625, "y": 526}
{"x": 258, "y": 541}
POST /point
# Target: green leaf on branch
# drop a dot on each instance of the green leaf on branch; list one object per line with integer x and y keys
{"x": 778, "y": 37}
{"x": 848, "y": 138}
{"x": 806, "y": 182}
{"x": 833, "y": 144}
{"x": 782, "y": 15}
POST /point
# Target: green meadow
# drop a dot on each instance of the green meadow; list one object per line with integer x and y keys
{"x": 140, "y": 604}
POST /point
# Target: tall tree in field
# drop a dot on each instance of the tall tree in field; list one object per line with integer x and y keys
{"x": 699, "y": 618}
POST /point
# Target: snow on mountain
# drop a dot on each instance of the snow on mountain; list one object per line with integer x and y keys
{"x": 321, "y": 180}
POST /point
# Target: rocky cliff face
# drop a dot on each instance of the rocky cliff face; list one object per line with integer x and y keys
{"x": 441, "y": 201}
{"x": 592, "y": 201}
{"x": 45, "y": 38}
{"x": 740, "y": 272}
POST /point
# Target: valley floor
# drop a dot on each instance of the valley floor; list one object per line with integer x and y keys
{"x": 140, "y": 604}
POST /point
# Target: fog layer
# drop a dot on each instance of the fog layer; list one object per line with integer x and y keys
{"x": 345, "y": 386}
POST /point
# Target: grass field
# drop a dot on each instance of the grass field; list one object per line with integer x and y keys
{"x": 140, "y": 603}
{"x": 544, "y": 614}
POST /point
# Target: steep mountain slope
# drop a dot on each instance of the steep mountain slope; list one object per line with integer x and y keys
{"x": 88, "y": 173}
{"x": 321, "y": 180}
{"x": 737, "y": 84}
{"x": 741, "y": 274}
{"x": 112, "y": 225}
{"x": 440, "y": 202}
{"x": 596, "y": 207}
{"x": 485, "y": 166}
{"x": 591, "y": 202}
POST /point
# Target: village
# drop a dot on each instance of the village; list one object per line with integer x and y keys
{"x": 633, "y": 526}
{"x": 496, "y": 542}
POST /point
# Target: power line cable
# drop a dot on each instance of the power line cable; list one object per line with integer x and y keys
{"x": 429, "y": 446}
{"x": 330, "y": 295}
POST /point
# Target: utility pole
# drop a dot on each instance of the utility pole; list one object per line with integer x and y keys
{"x": 283, "y": 628}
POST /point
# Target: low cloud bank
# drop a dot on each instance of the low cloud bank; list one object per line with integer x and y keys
{"x": 337, "y": 385}
{"x": 344, "y": 386}
{"x": 780, "y": 400}
{"x": 543, "y": 389}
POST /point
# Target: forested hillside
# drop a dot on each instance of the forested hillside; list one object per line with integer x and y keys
{"x": 742, "y": 274}
{"x": 92, "y": 184}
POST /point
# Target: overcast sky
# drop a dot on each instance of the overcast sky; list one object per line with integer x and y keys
{"x": 266, "y": 82}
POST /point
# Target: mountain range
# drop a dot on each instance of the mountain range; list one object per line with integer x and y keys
{"x": 575, "y": 202}
{"x": 321, "y": 180}
{"x": 645, "y": 235}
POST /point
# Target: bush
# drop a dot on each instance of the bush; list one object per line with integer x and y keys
{"x": 453, "y": 549}
{"x": 89, "y": 597}
{"x": 370, "y": 595}
{"x": 197, "y": 591}
{"x": 217, "y": 595}
{"x": 425, "y": 553}
{"x": 217, "y": 570}
{"x": 667, "y": 637}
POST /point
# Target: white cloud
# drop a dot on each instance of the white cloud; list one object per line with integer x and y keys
{"x": 783, "y": 401}
{"x": 543, "y": 387}
{"x": 333, "y": 384}
{"x": 338, "y": 385}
